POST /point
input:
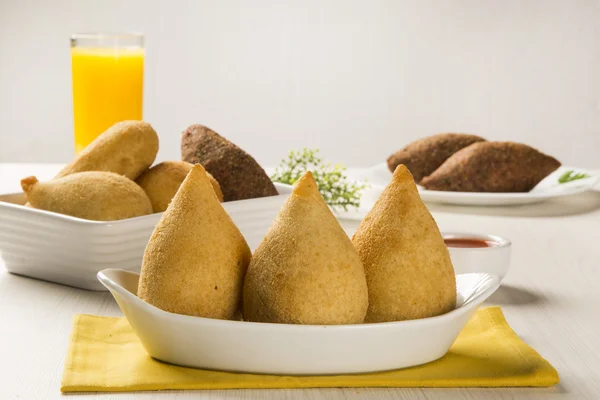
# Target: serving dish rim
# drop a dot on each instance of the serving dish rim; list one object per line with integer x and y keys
{"x": 111, "y": 285}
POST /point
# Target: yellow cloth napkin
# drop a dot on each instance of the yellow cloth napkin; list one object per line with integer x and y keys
{"x": 106, "y": 356}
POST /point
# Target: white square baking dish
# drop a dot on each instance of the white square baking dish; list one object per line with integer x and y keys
{"x": 68, "y": 250}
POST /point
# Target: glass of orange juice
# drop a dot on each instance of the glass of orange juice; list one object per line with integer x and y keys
{"x": 108, "y": 80}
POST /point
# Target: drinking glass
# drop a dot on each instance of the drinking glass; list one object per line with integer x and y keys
{"x": 108, "y": 80}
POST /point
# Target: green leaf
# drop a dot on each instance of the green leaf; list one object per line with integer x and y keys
{"x": 571, "y": 175}
{"x": 333, "y": 185}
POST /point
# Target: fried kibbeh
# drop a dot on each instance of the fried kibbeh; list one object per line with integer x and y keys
{"x": 162, "y": 181}
{"x": 127, "y": 148}
{"x": 239, "y": 175}
{"x": 93, "y": 195}
{"x": 306, "y": 270}
{"x": 196, "y": 259}
{"x": 407, "y": 264}
{"x": 425, "y": 155}
{"x": 492, "y": 167}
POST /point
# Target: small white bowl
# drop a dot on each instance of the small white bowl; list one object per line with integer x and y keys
{"x": 294, "y": 349}
{"x": 68, "y": 250}
{"x": 494, "y": 259}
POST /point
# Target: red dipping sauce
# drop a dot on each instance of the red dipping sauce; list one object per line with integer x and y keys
{"x": 469, "y": 243}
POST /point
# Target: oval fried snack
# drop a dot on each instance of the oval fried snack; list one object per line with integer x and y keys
{"x": 425, "y": 155}
{"x": 238, "y": 173}
{"x": 127, "y": 148}
{"x": 93, "y": 195}
{"x": 492, "y": 167}
{"x": 162, "y": 181}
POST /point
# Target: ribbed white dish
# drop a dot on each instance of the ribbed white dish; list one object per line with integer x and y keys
{"x": 295, "y": 349}
{"x": 68, "y": 250}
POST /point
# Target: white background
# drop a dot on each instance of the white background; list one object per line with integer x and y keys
{"x": 355, "y": 79}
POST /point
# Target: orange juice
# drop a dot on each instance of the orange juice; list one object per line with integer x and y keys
{"x": 107, "y": 88}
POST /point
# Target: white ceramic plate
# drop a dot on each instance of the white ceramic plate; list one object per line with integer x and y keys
{"x": 379, "y": 176}
{"x": 68, "y": 250}
{"x": 294, "y": 349}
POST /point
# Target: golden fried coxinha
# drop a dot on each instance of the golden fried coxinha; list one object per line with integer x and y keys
{"x": 127, "y": 148}
{"x": 196, "y": 259}
{"x": 94, "y": 195}
{"x": 306, "y": 270}
{"x": 407, "y": 264}
{"x": 162, "y": 181}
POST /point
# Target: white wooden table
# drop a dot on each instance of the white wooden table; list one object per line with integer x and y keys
{"x": 551, "y": 297}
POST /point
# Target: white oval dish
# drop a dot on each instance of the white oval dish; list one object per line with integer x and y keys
{"x": 379, "y": 176}
{"x": 70, "y": 251}
{"x": 494, "y": 260}
{"x": 294, "y": 349}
